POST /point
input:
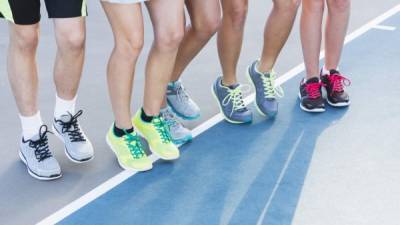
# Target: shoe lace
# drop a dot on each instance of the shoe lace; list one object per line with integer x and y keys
{"x": 162, "y": 130}
{"x": 270, "y": 90}
{"x": 134, "y": 145}
{"x": 181, "y": 93}
{"x": 314, "y": 90}
{"x": 338, "y": 82}
{"x": 170, "y": 119}
{"x": 236, "y": 97}
{"x": 41, "y": 146}
{"x": 72, "y": 128}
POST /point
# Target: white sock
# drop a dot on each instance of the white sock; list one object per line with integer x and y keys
{"x": 64, "y": 106}
{"x": 30, "y": 125}
{"x": 325, "y": 71}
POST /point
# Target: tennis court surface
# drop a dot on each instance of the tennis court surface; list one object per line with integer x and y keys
{"x": 335, "y": 168}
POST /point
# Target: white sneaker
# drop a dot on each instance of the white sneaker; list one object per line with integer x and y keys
{"x": 180, "y": 102}
{"x": 180, "y": 135}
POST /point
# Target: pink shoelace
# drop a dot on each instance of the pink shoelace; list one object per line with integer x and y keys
{"x": 338, "y": 82}
{"x": 313, "y": 90}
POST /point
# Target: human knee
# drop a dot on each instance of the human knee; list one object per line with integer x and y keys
{"x": 206, "y": 28}
{"x": 169, "y": 39}
{"x": 26, "y": 39}
{"x": 237, "y": 14}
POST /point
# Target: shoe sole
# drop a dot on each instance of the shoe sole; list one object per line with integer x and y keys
{"x": 120, "y": 164}
{"x": 310, "y": 110}
{"x": 338, "y": 105}
{"x": 181, "y": 115}
{"x": 183, "y": 141}
{"x": 222, "y": 112}
{"x": 152, "y": 151}
{"x": 32, "y": 174}
{"x": 255, "y": 100}
{"x": 55, "y": 131}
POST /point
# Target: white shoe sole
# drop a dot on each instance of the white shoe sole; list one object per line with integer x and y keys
{"x": 65, "y": 148}
{"x": 120, "y": 164}
{"x": 338, "y": 105}
{"x": 310, "y": 110}
{"x": 33, "y": 174}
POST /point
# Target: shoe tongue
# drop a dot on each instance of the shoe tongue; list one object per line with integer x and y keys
{"x": 331, "y": 72}
{"x": 65, "y": 118}
{"x": 313, "y": 80}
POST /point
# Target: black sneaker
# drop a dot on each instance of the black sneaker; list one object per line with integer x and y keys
{"x": 310, "y": 95}
{"x": 334, "y": 84}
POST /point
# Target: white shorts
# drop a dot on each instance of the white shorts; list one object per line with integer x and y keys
{"x": 124, "y": 1}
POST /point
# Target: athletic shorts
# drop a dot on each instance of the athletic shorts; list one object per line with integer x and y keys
{"x": 124, "y": 1}
{"x": 27, "y": 12}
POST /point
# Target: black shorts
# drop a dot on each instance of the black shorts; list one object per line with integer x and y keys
{"x": 27, "y": 12}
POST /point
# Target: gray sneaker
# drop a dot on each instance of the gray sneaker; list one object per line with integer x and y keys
{"x": 180, "y": 134}
{"x": 266, "y": 92}
{"x": 231, "y": 104}
{"x": 180, "y": 102}
{"x": 36, "y": 155}
{"x": 77, "y": 147}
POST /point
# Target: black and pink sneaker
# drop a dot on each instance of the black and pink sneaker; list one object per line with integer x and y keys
{"x": 334, "y": 83}
{"x": 310, "y": 95}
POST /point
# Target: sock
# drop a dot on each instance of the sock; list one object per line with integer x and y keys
{"x": 325, "y": 71}
{"x": 30, "y": 125}
{"x": 232, "y": 87}
{"x": 121, "y": 132}
{"x": 145, "y": 117}
{"x": 64, "y": 106}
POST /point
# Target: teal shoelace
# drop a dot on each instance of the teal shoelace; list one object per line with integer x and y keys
{"x": 162, "y": 130}
{"x": 134, "y": 145}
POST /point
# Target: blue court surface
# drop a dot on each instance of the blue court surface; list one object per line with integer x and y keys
{"x": 295, "y": 169}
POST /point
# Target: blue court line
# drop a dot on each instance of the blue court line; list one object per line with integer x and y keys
{"x": 218, "y": 184}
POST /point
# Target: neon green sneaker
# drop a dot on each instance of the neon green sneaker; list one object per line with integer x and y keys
{"x": 129, "y": 151}
{"x": 157, "y": 135}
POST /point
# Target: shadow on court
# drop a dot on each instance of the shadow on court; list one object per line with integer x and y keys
{"x": 226, "y": 176}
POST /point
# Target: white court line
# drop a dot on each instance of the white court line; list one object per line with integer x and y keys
{"x": 382, "y": 27}
{"x": 122, "y": 176}
{"x": 357, "y": 33}
{"x": 280, "y": 178}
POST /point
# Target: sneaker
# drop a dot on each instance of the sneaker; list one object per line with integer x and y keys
{"x": 129, "y": 151}
{"x": 266, "y": 92}
{"x": 230, "y": 102}
{"x": 76, "y": 145}
{"x": 334, "y": 84}
{"x": 157, "y": 135}
{"x": 36, "y": 155}
{"x": 310, "y": 95}
{"x": 180, "y": 102}
{"x": 179, "y": 134}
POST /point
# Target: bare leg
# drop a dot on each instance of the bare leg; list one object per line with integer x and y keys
{"x": 22, "y": 68}
{"x": 311, "y": 34}
{"x": 70, "y": 37}
{"x": 335, "y": 33}
{"x": 205, "y": 16}
{"x": 230, "y": 37}
{"x": 277, "y": 30}
{"x": 127, "y": 25}
{"x": 168, "y": 22}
